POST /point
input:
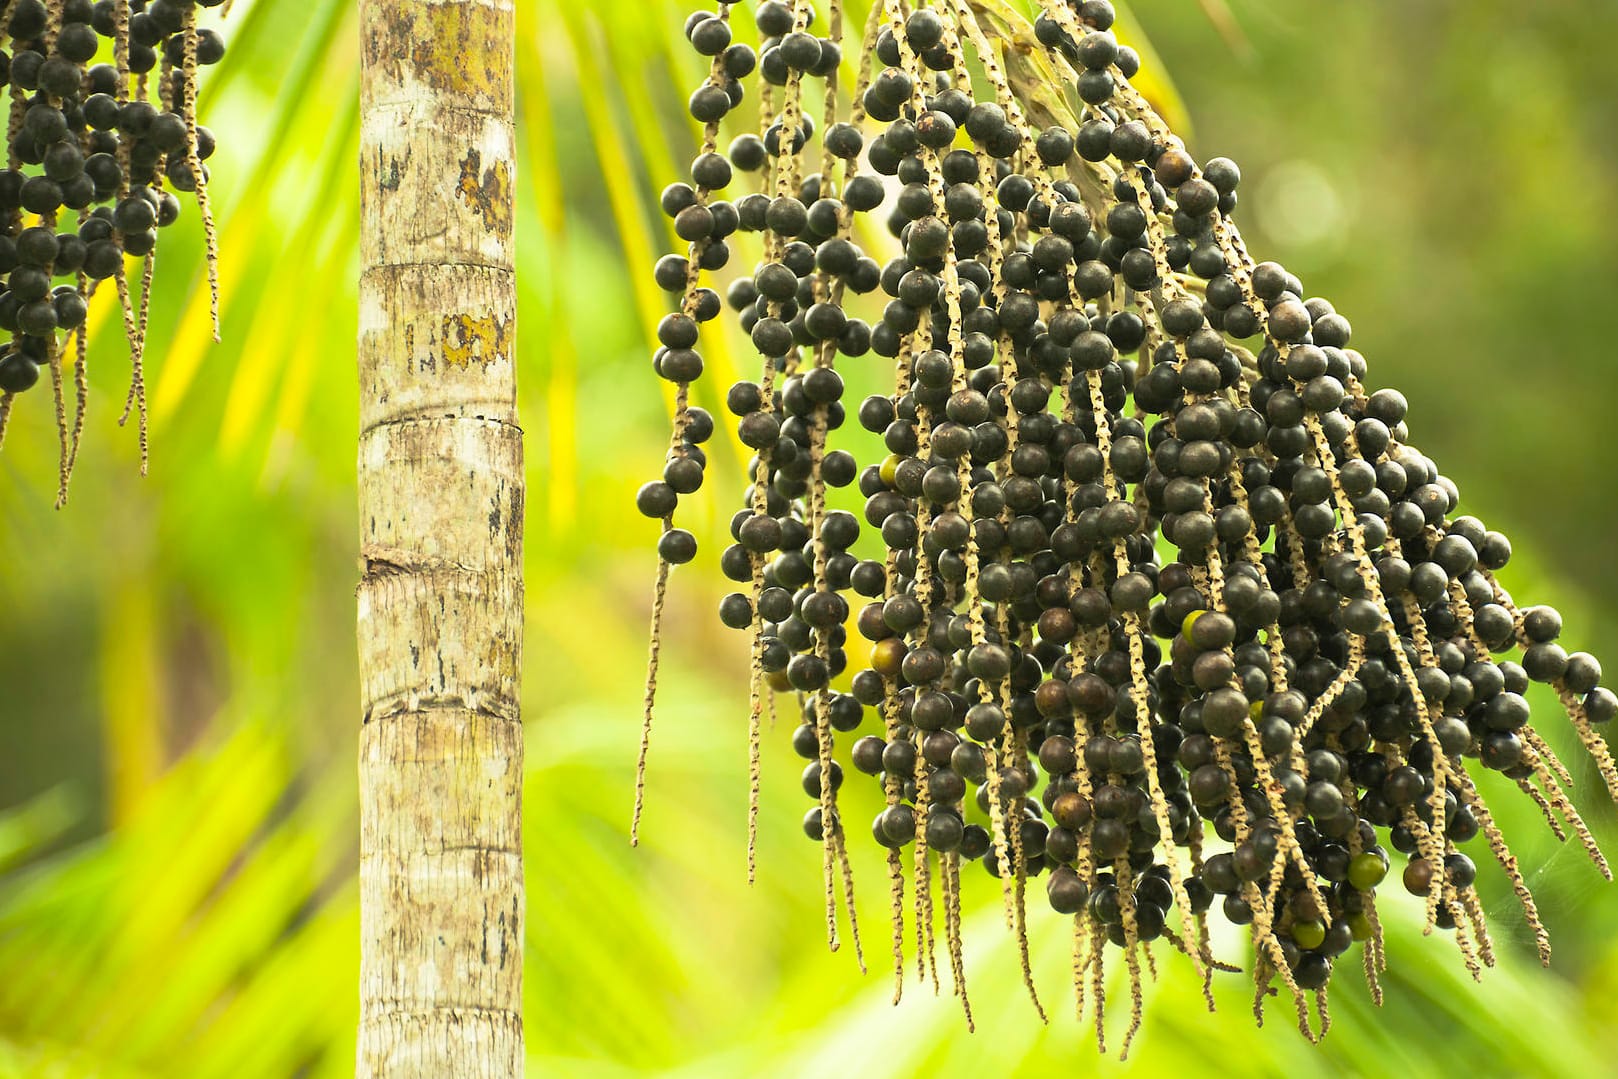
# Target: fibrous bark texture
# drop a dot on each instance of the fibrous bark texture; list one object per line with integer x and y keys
{"x": 441, "y": 511}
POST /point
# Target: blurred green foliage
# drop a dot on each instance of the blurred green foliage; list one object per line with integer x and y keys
{"x": 177, "y": 681}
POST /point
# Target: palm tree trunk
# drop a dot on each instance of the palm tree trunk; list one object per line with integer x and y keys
{"x": 441, "y": 511}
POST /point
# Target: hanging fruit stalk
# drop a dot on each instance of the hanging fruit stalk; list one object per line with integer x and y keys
{"x": 103, "y": 133}
{"x": 1088, "y": 368}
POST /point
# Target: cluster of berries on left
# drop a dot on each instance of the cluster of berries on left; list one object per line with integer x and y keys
{"x": 103, "y": 141}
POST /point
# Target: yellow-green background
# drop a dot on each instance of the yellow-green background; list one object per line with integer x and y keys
{"x": 177, "y": 679}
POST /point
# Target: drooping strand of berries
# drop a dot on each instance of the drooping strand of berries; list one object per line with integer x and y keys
{"x": 1088, "y": 368}
{"x": 92, "y": 132}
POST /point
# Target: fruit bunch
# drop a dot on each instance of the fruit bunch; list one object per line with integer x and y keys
{"x": 1156, "y": 602}
{"x": 102, "y": 141}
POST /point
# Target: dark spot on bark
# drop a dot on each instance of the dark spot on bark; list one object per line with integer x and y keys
{"x": 487, "y": 191}
{"x": 377, "y": 568}
{"x": 390, "y": 171}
